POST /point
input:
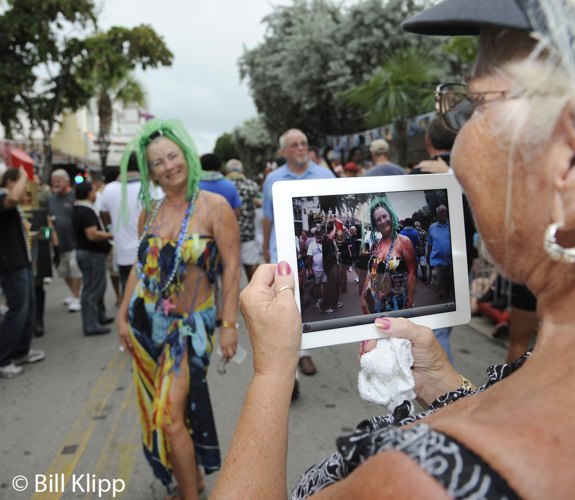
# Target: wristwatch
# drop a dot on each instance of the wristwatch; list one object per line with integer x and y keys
{"x": 466, "y": 384}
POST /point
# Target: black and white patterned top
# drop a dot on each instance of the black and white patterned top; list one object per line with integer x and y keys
{"x": 247, "y": 191}
{"x": 462, "y": 472}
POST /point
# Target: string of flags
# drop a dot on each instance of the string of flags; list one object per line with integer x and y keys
{"x": 341, "y": 143}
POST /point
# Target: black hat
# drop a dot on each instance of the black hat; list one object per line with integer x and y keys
{"x": 465, "y": 17}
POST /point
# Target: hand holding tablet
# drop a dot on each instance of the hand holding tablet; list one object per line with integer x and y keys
{"x": 371, "y": 220}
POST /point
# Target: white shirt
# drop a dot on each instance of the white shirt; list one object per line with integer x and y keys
{"x": 125, "y": 231}
{"x": 315, "y": 250}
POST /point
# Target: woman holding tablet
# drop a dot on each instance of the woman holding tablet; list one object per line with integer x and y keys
{"x": 391, "y": 269}
{"x": 515, "y": 158}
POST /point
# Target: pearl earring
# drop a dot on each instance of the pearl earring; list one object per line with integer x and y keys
{"x": 554, "y": 249}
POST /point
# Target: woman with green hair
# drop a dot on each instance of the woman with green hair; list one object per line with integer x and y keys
{"x": 167, "y": 318}
{"x": 391, "y": 270}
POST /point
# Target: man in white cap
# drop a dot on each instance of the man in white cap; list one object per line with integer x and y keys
{"x": 379, "y": 149}
{"x": 60, "y": 207}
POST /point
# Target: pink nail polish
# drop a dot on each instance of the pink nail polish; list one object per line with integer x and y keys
{"x": 383, "y": 323}
{"x": 284, "y": 268}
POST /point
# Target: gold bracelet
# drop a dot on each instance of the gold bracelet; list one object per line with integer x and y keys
{"x": 466, "y": 385}
{"x": 230, "y": 324}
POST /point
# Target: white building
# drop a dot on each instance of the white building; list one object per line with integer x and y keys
{"x": 76, "y": 138}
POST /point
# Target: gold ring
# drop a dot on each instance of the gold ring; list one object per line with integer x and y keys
{"x": 285, "y": 287}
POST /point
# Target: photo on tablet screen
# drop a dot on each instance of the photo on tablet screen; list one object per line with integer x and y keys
{"x": 390, "y": 251}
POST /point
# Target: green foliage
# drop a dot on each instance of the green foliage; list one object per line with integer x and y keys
{"x": 314, "y": 50}
{"x": 289, "y": 73}
{"x": 108, "y": 59}
{"x": 253, "y": 133}
{"x": 35, "y": 40}
{"x": 48, "y": 65}
{"x": 464, "y": 47}
{"x": 400, "y": 88}
{"x": 254, "y": 145}
{"x": 464, "y": 50}
{"x": 109, "y": 56}
{"x": 225, "y": 147}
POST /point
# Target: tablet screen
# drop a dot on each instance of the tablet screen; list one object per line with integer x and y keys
{"x": 372, "y": 247}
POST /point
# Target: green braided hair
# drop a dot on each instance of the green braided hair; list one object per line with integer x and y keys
{"x": 383, "y": 201}
{"x": 171, "y": 129}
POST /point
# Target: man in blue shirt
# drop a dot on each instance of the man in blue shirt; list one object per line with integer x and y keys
{"x": 213, "y": 180}
{"x": 439, "y": 244}
{"x": 441, "y": 268}
{"x": 412, "y": 233}
{"x": 294, "y": 148}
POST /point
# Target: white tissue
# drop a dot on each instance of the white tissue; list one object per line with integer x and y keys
{"x": 385, "y": 377}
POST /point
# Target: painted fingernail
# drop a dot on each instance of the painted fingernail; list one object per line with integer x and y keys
{"x": 383, "y": 323}
{"x": 284, "y": 268}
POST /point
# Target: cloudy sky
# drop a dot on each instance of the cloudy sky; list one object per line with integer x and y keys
{"x": 202, "y": 87}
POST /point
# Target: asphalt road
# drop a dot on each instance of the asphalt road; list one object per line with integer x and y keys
{"x": 68, "y": 425}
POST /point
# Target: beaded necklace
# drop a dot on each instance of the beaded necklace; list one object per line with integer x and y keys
{"x": 385, "y": 280}
{"x": 388, "y": 256}
{"x": 87, "y": 204}
{"x": 25, "y": 233}
{"x": 159, "y": 288}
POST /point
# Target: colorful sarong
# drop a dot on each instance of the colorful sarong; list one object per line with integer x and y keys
{"x": 154, "y": 365}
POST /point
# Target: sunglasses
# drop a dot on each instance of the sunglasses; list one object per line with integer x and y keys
{"x": 455, "y": 103}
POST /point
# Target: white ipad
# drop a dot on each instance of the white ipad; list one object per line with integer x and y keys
{"x": 375, "y": 246}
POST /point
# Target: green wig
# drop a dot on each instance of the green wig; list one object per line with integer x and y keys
{"x": 171, "y": 129}
{"x": 383, "y": 202}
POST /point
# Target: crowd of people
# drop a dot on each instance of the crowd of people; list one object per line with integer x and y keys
{"x": 177, "y": 228}
{"x": 395, "y": 247}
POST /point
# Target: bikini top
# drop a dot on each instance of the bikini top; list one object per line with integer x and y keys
{"x": 157, "y": 256}
{"x": 396, "y": 265}
{"x": 462, "y": 472}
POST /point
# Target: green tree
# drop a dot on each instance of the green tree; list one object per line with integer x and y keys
{"x": 289, "y": 72}
{"x": 38, "y": 57}
{"x": 225, "y": 147}
{"x": 106, "y": 67}
{"x": 254, "y": 145}
{"x": 400, "y": 88}
{"x": 463, "y": 50}
{"x": 312, "y": 51}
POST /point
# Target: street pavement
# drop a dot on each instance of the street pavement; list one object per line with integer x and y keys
{"x": 350, "y": 300}
{"x": 69, "y": 429}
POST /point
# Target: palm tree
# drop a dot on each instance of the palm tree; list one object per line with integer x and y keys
{"x": 106, "y": 70}
{"x": 398, "y": 89}
{"x": 126, "y": 90}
